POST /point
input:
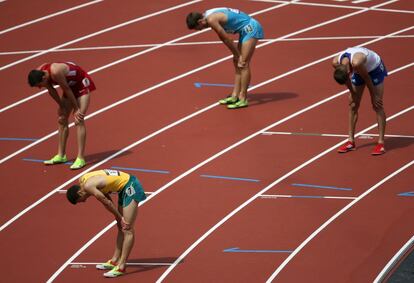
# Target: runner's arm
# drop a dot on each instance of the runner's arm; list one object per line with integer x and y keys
{"x": 213, "y": 22}
{"x": 54, "y": 94}
{"x": 92, "y": 189}
{"x": 335, "y": 62}
{"x": 358, "y": 63}
{"x": 59, "y": 77}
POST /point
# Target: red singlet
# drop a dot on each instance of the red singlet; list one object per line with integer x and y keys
{"x": 78, "y": 80}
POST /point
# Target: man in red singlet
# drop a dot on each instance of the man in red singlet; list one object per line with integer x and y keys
{"x": 76, "y": 86}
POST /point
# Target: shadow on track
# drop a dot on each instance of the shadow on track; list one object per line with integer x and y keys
{"x": 266, "y": 97}
{"x": 142, "y": 268}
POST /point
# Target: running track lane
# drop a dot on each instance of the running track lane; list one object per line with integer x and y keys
{"x": 104, "y": 135}
{"x": 85, "y": 22}
{"x": 18, "y": 14}
{"x": 142, "y": 22}
{"x": 369, "y": 233}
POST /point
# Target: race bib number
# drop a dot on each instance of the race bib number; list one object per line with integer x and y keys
{"x": 86, "y": 82}
{"x": 111, "y": 172}
{"x": 130, "y": 191}
{"x": 248, "y": 28}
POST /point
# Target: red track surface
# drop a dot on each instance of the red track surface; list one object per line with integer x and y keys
{"x": 190, "y": 215}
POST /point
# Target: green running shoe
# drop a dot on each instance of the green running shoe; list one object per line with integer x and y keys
{"x": 109, "y": 265}
{"x": 78, "y": 164}
{"x": 57, "y": 159}
{"x": 115, "y": 272}
{"x": 238, "y": 104}
{"x": 228, "y": 100}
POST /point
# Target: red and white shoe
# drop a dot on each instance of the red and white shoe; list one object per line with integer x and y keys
{"x": 379, "y": 149}
{"x": 348, "y": 146}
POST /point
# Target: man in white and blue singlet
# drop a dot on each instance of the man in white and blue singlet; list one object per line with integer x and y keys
{"x": 227, "y": 20}
{"x": 357, "y": 67}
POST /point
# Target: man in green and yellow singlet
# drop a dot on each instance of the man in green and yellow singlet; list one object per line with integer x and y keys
{"x": 101, "y": 184}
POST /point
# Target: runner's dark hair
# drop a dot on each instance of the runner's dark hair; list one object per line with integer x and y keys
{"x": 192, "y": 19}
{"x": 72, "y": 194}
{"x": 340, "y": 74}
{"x": 34, "y": 77}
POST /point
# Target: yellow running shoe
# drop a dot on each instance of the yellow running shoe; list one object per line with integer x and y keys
{"x": 106, "y": 266}
{"x": 228, "y": 100}
{"x": 238, "y": 104}
{"x": 114, "y": 272}
{"x": 57, "y": 159}
{"x": 78, "y": 164}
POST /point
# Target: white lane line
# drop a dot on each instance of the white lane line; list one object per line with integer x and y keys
{"x": 136, "y": 55}
{"x": 128, "y": 263}
{"x": 221, "y": 222}
{"x": 269, "y": 133}
{"x": 360, "y": 1}
{"x": 49, "y": 16}
{"x": 97, "y": 33}
{"x": 316, "y": 4}
{"x": 334, "y": 217}
{"x": 302, "y": 197}
{"x": 133, "y": 46}
{"x": 394, "y": 260}
{"x": 339, "y": 6}
{"x": 177, "y": 178}
{"x": 181, "y": 121}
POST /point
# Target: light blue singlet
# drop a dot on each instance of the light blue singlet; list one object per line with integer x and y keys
{"x": 239, "y": 22}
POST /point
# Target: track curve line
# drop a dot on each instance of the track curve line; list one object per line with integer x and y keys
{"x": 95, "y": 34}
{"x": 49, "y": 16}
{"x": 334, "y": 217}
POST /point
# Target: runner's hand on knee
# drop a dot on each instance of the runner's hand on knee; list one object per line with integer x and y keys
{"x": 125, "y": 225}
{"x": 62, "y": 120}
{"x": 241, "y": 63}
{"x": 79, "y": 117}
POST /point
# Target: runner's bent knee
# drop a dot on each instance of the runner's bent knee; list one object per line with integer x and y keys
{"x": 63, "y": 120}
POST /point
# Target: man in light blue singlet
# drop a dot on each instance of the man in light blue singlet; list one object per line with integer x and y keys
{"x": 224, "y": 21}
